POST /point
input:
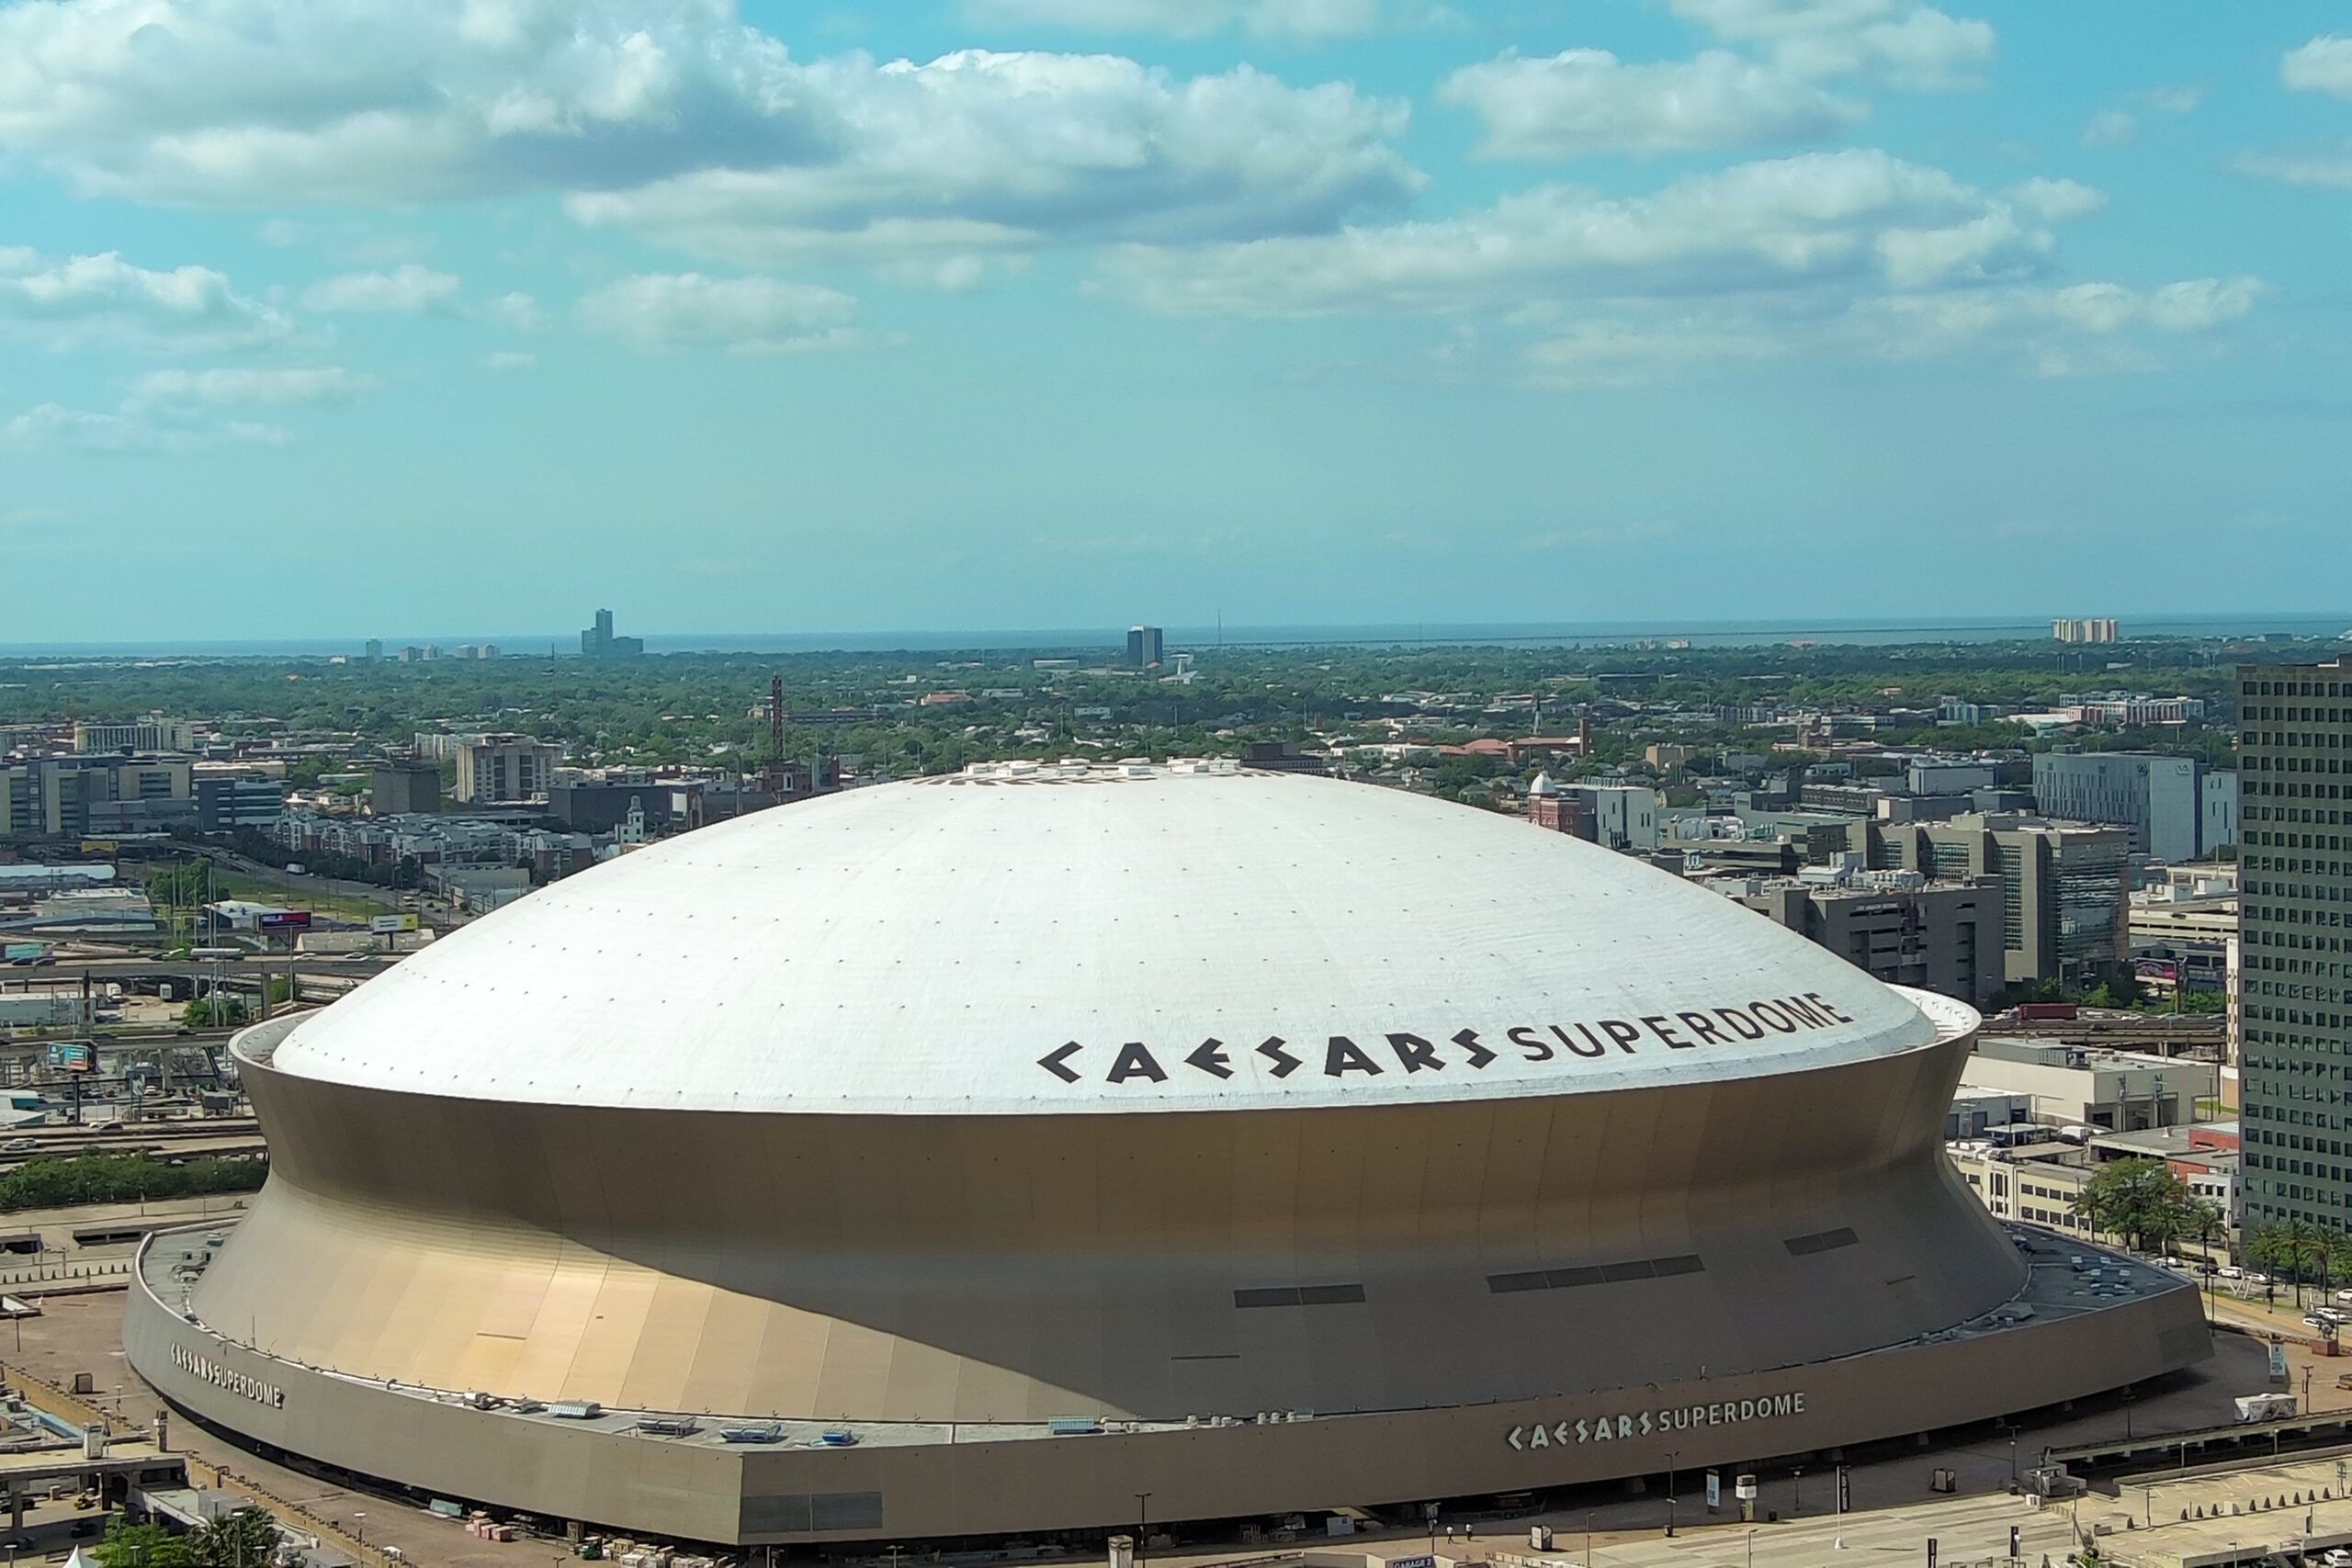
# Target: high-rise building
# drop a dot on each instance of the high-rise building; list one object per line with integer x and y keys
{"x": 598, "y": 641}
{"x": 2161, "y": 798}
{"x": 401, "y": 788}
{"x": 2064, "y": 905}
{"x": 1940, "y": 936}
{"x": 2294, "y": 1033}
{"x": 2095, "y": 629}
{"x": 497, "y": 770}
{"x": 375, "y": 650}
{"x": 1142, "y": 647}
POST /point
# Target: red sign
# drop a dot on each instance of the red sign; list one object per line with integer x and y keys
{"x": 283, "y": 920}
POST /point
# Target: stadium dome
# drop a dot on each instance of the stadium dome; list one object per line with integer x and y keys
{"x": 965, "y": 1156}
{"x": 919, "y": 948}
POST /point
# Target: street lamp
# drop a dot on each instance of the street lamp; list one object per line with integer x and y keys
{"x": 1141, "y": 1498}
{"x": 1669, "y": 1494}
{"x": 359, "y": 1523}
{"x": 1796, "y": 1503}
{"x": 1751, "y": 1548}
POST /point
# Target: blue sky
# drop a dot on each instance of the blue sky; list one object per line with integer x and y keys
{"x": 450, "y": 317}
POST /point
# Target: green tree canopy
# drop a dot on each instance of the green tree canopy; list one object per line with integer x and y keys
{"x": 2141, "y": 1201}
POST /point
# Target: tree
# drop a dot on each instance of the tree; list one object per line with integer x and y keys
{"x": 2340, "y": 1256}
{"x": 246, "y": 1538}
{"x": 217, "y": 1009}
{"x": 2141, "y": 1201}
{"x": 126, "y": 1545}
{"x": 2269, "y": 1249}
{"x": 2306, "y": 1252}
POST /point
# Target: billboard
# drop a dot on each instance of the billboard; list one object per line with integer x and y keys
{"x": 283, "y": 920}
{"x": 72, "y": 1055}
{"x": 384, "y": 923}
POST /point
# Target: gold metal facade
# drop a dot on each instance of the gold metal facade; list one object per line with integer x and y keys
{"x": 974, "y": 1269}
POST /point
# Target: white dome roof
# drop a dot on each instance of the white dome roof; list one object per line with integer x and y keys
{"x": 1073, "y": 941}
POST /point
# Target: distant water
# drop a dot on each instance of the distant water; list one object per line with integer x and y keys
{"x": 1698, "y": 633}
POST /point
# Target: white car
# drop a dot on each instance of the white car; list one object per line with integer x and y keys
{"x": 2231, "y": 1271}
{"x": 2343, "y": 1295}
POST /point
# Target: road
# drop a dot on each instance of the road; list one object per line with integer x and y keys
{"x": 295, "y": 887}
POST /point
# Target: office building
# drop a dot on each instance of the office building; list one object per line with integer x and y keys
{"x": 2112, "y": 1091}
{"x": 1142, "y": 647}
{"x": 857, "y": 1173}
{"x": 1942, "y": 775}
{"x": 2095, "y": 629}
{"x": 74, "y": 796}
{"x": 226, "y": 802}
{"x": 598, "y": 641}
{"x": 2220, "y": 831}
{"x": 400, "y": 788}
{"x": 151, "y": 734}
{"x": 495, "y": 770}
{"x": 1932, "y": 936}
{"x": 2062, "y": 895}
{"x": 1617, "y": 816}
{"x": 2295, "y": 877}
{"x": 375, "y": 653}
{"x": 2163, "y": 800}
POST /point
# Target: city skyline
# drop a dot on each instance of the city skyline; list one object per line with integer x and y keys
{"x": 1041, "y": 312}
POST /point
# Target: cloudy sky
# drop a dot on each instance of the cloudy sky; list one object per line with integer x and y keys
{"x": 413, "y": 317}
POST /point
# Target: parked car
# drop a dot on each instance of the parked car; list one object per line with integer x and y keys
{"x": 2231, "y": 1271}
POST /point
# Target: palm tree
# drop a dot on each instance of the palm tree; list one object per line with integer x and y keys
{"x": 2340, "y": 1254}
{"x": 2265, "y": 1249}
{"x": 2309, "y": 1243}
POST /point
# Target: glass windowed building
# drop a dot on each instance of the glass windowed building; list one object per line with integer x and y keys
{"x": 2295, "y": 1016}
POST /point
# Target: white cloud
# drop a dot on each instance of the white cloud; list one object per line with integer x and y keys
{"x": 1846, "y": 219}
{"x": 2323, "y": 65}
{"x": 53, "y": 427}
{"x": 674, "y": 115}
{"x": 2116, "y": 127}
{"x": 1624, "y": 354}
{"x": 2057, "y": 200}
{"x": 1906, "y": 44}
{"x": 2111, "y": 127}
{"x": 666, "y": 311}
{"x": 977, "y": 154}
{"x": 1298, "y": 19}
{"x": 2045, "y": 329}
{"x": 103, "y": 299}
{"x": 2323, "y": 164}
{"x": 518, "y": 310}
{"x": 408, "y": 290}
{"x": 2042, "y": 322}
{"x": 270, "y": 387}
{"x": 1586, "y": 100}
{"x": 510, "y": 360}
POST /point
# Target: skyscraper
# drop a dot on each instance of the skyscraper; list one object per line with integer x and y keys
{"x": 598, "y": 641}
{"x": 1142, "y": 647}
{"x": 2294, "y": 750}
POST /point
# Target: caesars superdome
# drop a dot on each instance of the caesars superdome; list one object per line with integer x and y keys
{"x": 968, "y": 1156}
